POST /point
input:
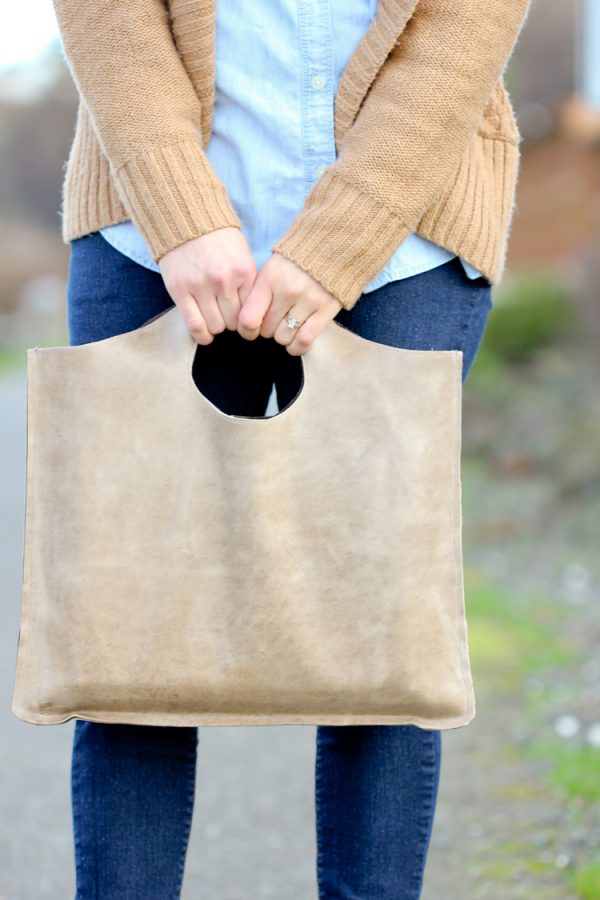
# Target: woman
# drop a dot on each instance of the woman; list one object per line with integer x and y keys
{"x": 268, "y": 170}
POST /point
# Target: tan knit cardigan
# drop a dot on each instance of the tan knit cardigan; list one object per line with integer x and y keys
{"x": 426, "y": 137}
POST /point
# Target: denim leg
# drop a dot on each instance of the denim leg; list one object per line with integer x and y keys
{"x": 441, "y": 309}
{"x": 131, "y": 839}
{"x": 132, "y": 792}
{"x": 132, "y": 786}
{"x": 108, "y": 293}
{"x": 375, "y": 795}
{"x": 376, "y": 785}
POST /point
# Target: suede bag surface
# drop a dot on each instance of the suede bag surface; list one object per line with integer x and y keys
{"x": 185, "y": 566}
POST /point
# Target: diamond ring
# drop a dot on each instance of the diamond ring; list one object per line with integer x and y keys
{"x": 292, "y": 322}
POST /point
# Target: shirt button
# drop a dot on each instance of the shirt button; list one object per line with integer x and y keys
{"x": 317, "y": 81}
{"x": 319, "y": 170}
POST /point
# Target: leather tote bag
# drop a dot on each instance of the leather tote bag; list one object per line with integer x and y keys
{"x": 186, "y": 566}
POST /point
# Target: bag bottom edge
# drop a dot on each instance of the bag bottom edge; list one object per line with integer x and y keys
{"x": 50, "y": 717}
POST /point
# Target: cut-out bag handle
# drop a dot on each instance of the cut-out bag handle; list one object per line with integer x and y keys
{"x": 186, "y": 566}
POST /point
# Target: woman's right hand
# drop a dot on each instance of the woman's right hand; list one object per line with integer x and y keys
{"x": 209, "y": 278}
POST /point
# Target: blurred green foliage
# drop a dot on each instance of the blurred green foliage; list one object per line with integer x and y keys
{"x": 587, "y": 881}
{"x": 575, "y": 769}
{"x": 515, "y": 635}
{"x": 531, "y": 311}
{"x": 512, "y": 636}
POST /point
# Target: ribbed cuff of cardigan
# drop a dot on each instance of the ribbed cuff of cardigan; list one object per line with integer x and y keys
{"x": 174, "y": 195}
{"x": 342, "y": 236}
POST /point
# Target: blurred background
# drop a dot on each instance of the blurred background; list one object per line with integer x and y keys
{"x": 519, "y": 808}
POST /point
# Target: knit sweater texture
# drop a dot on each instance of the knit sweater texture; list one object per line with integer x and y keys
{"x": 425, "y": 133}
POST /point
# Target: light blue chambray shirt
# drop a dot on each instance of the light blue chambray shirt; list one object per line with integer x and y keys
{"x": 277, "y": 70}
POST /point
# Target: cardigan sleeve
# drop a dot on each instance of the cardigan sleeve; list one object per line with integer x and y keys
{"x": 406, "y": 141}
{"x": 147, "y": 117}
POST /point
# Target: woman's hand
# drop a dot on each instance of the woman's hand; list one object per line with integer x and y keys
{"x": 282, "y": 287}
{"x": 209, "y": 278}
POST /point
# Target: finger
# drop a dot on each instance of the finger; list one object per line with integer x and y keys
{"x": 306, "y": 335}
{"x": 194, "y": 320}
{"x": 281, "y": 303}
{"x": 210, "y": 310}
{"x": 230, "y": 307}
{"x": 302, "y": 310}
{"x": 254, "y": 308}
{"x": 247, "y": 281}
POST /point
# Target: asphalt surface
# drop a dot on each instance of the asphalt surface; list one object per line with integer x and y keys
{"x": 253, "y": 824}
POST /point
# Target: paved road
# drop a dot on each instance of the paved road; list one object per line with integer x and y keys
{"x": 253, "y": 827}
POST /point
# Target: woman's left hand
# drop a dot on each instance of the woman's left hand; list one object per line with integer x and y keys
{"x": 282, "y": 287}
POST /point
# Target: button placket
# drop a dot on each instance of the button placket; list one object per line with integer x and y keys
{"x": 318, "y": 144}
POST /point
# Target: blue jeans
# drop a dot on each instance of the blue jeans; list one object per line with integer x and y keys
{"x": 375, "y": 785}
